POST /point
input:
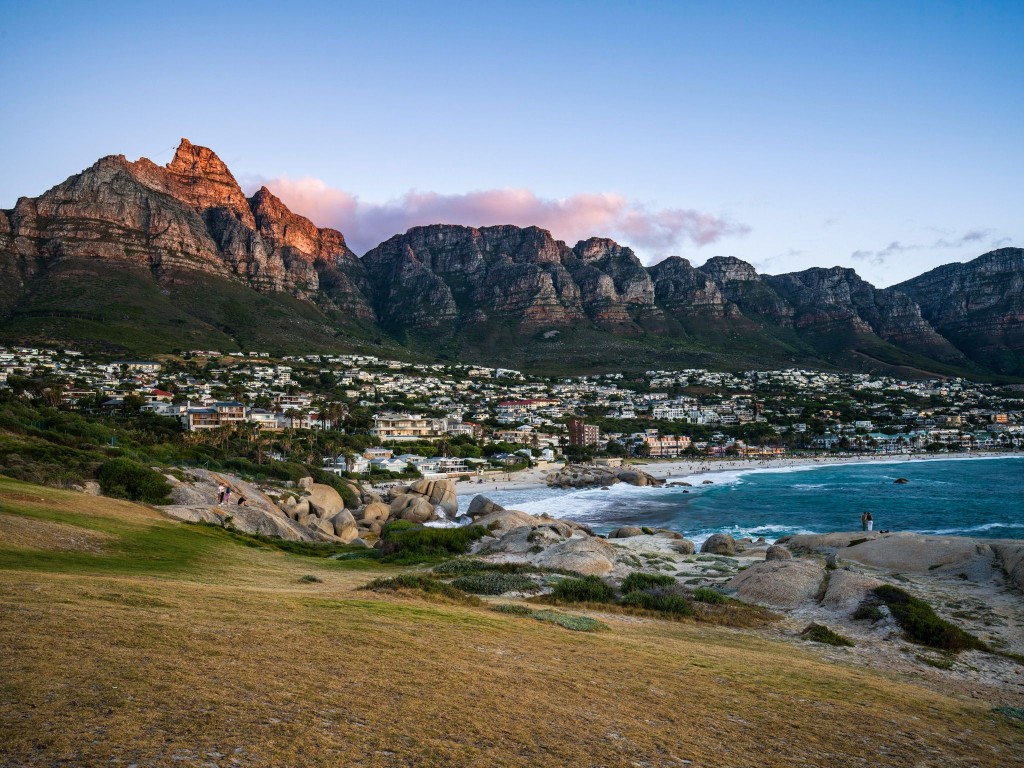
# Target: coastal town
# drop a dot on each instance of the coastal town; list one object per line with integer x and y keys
{"x": 469, "y": 419}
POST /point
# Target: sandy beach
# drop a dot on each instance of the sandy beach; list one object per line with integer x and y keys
{"x": 671, "y": 469}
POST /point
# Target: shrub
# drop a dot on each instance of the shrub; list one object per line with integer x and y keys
{"x": 494, "y": 583}
{"x": 637, "y": 582}
{"x": 463, "y": 565}
{"x": 920, "y": 624}
{"x": 127, "y": 479}
{"x": 419, "y": 583}
{"x": 662, "y": 602}
{"x": 585, "y": 589}
{"x": 418, "y": 544}
{"x": 575, "y": 623}
{"x": 708, "y": 595}
{"x": 819, "y": 633}
{"x": 310, "y": 579}
{"x": 868, "y": 611}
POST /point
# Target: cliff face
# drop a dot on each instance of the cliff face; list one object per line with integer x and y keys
{"x": 178, "y": 227}
{"x": 978, "y": 305}
{"x": 190, "y": 215}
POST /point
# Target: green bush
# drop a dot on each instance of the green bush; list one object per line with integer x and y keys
{"x": 585, "y": 589}
{"x": 920, "y": 624}
{"x": 419, "y": 583}
{"x": 708, "y": 595}
{"x": 819, "y": 633}
{"x": 310, "y": 579}
{"x": 463, "y": 565}
{"x": 416, "y": 544}
{"x": 868, "y": 611}
{"x": 494, "y": 583}
{"x": 127, "y": 479}
{"x": 662, "y": 602}
{"x": 637, "y": 581}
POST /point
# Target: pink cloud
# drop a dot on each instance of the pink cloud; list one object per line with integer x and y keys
{"x": 653, "y": 233}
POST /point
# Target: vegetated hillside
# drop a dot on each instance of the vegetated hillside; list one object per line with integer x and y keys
{"x": 181, "y": 645}
{"x": 136, "y": 257}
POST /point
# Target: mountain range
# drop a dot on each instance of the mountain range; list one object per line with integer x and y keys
{"x": 133, "y": 257}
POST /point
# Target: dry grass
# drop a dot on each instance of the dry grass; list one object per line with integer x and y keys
{"x": 230, "y": 658}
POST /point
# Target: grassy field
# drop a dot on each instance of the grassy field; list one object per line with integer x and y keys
{"x": 127, "y": 638}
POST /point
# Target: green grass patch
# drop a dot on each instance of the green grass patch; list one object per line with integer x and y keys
{"x": 638, "y": 582}
{"x": 584, "y": 589}
{"x": 1014, "y": 714}
{"x": 943, "y": 662}
{"x": 465, "y": 565}
{"x": 513, "y": 609}
{"x": 569, "y": 621}
{"x": 494, "y": 583}
{"x": 819, "y": 633}
{"x": 311, "y": 579}
{"x": 921, "y": 625}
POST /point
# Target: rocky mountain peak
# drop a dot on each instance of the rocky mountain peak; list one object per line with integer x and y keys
{"x": 727, "y": 269}
{"x": 197, "y": 176}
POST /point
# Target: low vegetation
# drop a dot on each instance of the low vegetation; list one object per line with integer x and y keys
{"x": 495, "y": 583}
{"x": 638, "y": 581}
{"x": 708, "y": 595}
{"x": 585, "y": 589}
{"x": 819, "y": 633}
{"x": 661, "y": 602}
{"x": 409, "y": 544}
{"x": 921, "y": 625}
{"x": 423, "y": 585}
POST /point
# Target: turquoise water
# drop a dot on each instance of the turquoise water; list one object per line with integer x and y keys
{"x": 967, "y": 497}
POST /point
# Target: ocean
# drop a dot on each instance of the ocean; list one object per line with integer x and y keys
{"x": 948, "y": 496}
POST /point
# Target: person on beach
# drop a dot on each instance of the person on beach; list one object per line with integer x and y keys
{"x": 863, "y": 521}
{"x": 220, "y": 495}
{"x": 870, "y": 521}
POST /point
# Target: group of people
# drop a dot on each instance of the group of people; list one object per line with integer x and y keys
{"x": 224, "y": 496}
{"x": 867, "y": 522}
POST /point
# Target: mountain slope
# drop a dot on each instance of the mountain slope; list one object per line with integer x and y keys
{"x": 137, "y": 257}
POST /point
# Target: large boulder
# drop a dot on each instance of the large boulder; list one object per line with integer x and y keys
{"x": 777, "y": 552}
{"x": 344, "y": 526}
{"x": 588, "y": 555}
{"x": 683, "y": 546}
{"x": 376, "y": 511}
{"x": 305, "y": 483}
{"x": 481, "y": 506}
{"x": 525, "y": 540}
{"x": 633, "y": 477}
{"x": 324, "y": 501}
{"x": 412, "y": 507}
{"x": 440, "y": 493}
{"x": 719, "y": 544}
{"x": 626, "y": 532}
{"x": 504, "y": 520}
{"x": 846, "y": 590}
{"x": 779, "y": 583}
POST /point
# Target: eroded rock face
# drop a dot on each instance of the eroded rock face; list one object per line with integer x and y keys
{"x": 188, "y": 215}
{"x": 412, "y": 507}
{"x": 980, "y": 305}
{"x": 440, "y": 493}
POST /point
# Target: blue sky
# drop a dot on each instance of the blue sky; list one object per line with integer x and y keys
{"x": 882, "y": 136}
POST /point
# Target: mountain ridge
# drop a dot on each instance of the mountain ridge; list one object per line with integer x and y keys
{"x": 502, "y": 294}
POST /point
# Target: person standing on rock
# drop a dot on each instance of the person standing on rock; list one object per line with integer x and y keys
{"x": 863, "y": 521}
{"x": 870, "y": 521}
{"x": 220, "y": 495}
{"x": 227, "y": 494}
